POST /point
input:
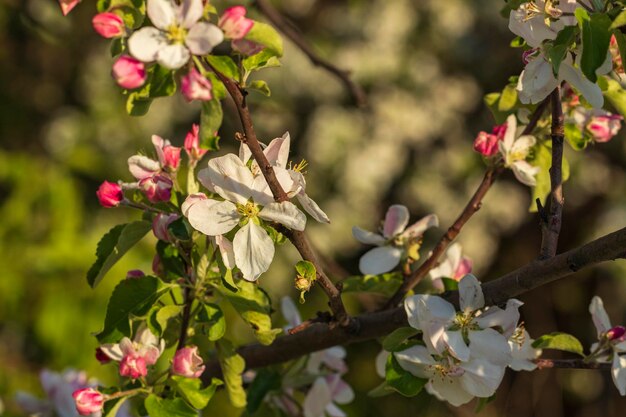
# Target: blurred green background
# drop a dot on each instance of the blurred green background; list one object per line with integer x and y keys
{"x": 425, "y": 65}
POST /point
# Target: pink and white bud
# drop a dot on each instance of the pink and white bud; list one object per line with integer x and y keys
{"x": 110, "y": 194}
{"x": 129, "y": 72}
{"x": 486, "y": 144}
{"x": 603, "y": 128}
{"x": 192, "y": 144}
{"x": 133, "y": 366}
{"x": 169, "y": 156}
{"x": 88, "y": 401}
{"x": 234, "y": 23}
{"x": 108, "y": 25}
{"x": 135, "y": 273}
{"x": 102, "y": 357}
{"x": 157, "y": 188}
{"x": 188, "y": 363}
{"x": 464, "y": 268}
{"x": 194, "y": 86}
{"x": 67, "y": 5}
{"x": 160, "y": 224}
{"x": 530, "y": 54}
{"x": 616, "y": 334}
{"x": 246, "y": 47}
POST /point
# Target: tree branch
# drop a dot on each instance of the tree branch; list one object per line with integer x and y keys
{"x": 320, "y": 336}
{"x": 551, "y": 224}
{"x": 289, "y": 30}
{"x": 297, "y": 238}
{"x": 570, "y": 364}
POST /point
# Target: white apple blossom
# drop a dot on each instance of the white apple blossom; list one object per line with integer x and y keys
{"x": 177, "y": 34}
{"x": 325, "y": 392}
{"x": 515, "y": 150}
{"x": 451, "y": 380}
{"x": 540, "y": 20}
{"x": 522, "y": 351}
{"x": 144, "y": 344}
{"x": 454, "y": 266}
{"x": 392, "y": 240}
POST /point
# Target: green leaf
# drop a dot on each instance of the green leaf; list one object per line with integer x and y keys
{"x": 508, "y": 98}
{"x": 381, "y": 390}
{"x": 267, "y": 36}
{"x": 164, "y": 315}
{"x": 113, "y": 245}
{"x": 210, "y": 122}
{"x": 557, "y": 50}
{"x": 264, "y": 59}
{"x": 402, "y": 381}
{"x": 180, "y": 229}
{"x": 260, "y": 86}
{"x": 162, "y": 83}
{"x": 225, "y": 65}
{"x": 254, "y": 307}
{"x": 621, "y": 45}
{"x": 395, "y": 340}
{"x": 492, "y": 101}
{"x": 619, "y": 21}
{"x": 559, "y": 341}
{"x": 542, "y": 158}
{"x": 233, "y": 366}
{"x": 574, "y": 136}
{"x": 131, "y": 297}
{"x": 307, "y": 270}
{"x": 265, "y": 381}
{"x": 385, "y": 284}
{"x": 450, "y": 284}
{"x": 229, "y": 281}
{"x": 111, "y": 408}
{"x": 137, "y": 104}
{"x": 213, "y": 317}
{"x": 191, "y": 390}
{"x": 163, "y": 407}
{"x": 596, "y": 37}
{"x": 517, "y": 42}
{"x": 614, "y": 93}
{"x": 482, "y": 402}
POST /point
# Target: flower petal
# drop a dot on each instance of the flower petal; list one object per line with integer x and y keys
{"x": 191, "y": 200}
{"x": 290, "y": 312}
{"x": 589, "y": 90}
{"x": 142, "y": 167}
{"x": 213, "y": 218}
{"x": 418, "y": 228}
{"x": 432, "y": 315}
{"x": 380, "y": 260}
{"x": 230, "y": 178}
{"x": 618, "y": 372}
{"x": 490, "y": 345}
{"x": 599, "y": 316}
{"x": 453, "y": 341}
{"x": 536, "y": 81}
{"x": 146, "y": 43}
{"x": 113, "y": 351}
{"x": 481, "y": 377}
{"x": 381, "y": 363}
{"x": 451, "y": 390}
{"x": 525, "y": 173}
{"x": 317, "y": 399}
{"x": 254, "y": 250}
{"x": 396, "y": 219}
{"x": 312, "y": 208}
{"x": 173, "y": 56}
{"x": 190, "y": 12}
{"x": 367, "y": 237}
{"x": 340, "y": 391}
{"x": 203, "y": 37}
{"x": 277, "y": 152}
{"x": 470, "y": 294}
{"x": 416, "y": 360}
{"x": 162, "y": 13}
{"x": 505, "y": 319}
{"x": 226, "y": 251}
{"x": 285, "y": 213}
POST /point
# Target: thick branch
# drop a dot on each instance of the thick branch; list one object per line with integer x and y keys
{"x": 551, "y": 224}
{"x": 292, "y": 33}
{"x": 320, "y": 336}
{"x": 298, "y": 238}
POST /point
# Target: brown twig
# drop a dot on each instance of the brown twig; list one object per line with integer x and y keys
{"x": 289, "y": 30}
{"x": 297, "y": 238}
{"x": 320, "y": 336}
{"x": 570, "y": 364}
{"x": 551, "y": 228}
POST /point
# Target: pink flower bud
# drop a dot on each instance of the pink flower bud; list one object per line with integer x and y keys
{"x": 234, "y": 23}
{"x": 135, "y": 273}
{"x": 464, "y": 268}
{"x": 157, "y": 188}
{"x": 88, "y": 400}
{"x": 110, "y": 194}
{"x": 102, "y": 357}
{"x": 108, "y": 25}
{"x": 171, "y": 158}
{"x": 196, "y": 87}
{"x": 128, "y": 72}
{"x": 67, "y": 5}
{"x": 246, "y": 47}
{"x": 486, "y": 144}
{"x": 160, "y": 224}
{"x": 499, "y": 131}
{"x": 603, "y": 128}
{"x": 616, "y": 333}
{"x": 192, "y": 144}
{"x": 133, "y": 366}
{"x": 187, "y": 363}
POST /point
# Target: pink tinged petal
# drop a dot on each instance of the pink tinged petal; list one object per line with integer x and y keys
{"x": 129, "y": 72}
{"x": 618, "y": 372}
{"x": 162, "y": 13}
{"x": 505, "y": 319}
{"x": 576, "y": 79}
{"x": 416, "y": 360}
{"x": 525, "y": 173}
{"x": 196, "y": 87}
{"x": 67, "y": 5}
{"x": 88, "y": 401}
{"x": 190, "y": 12}
{"x": 536, "y": 81}
{"x": 142, "y": 167}
{"x": 380, "y": 260}
{"x": 173, "y": 56}
{"x": 146, "y": 43}
{"x": 490, "y": 345}
{"x": 254, "y": 250}
{"x": 470, "y": 294}
{"x": 486, "y": 144}
{"x": 290, "y": 312}
{"x": 418, "y": 228}
{"x": 599, "y": 316}
{"x": 113, "y": 351}
{"x": 277, "y": 152}
{"x": 127, "y": 347}
{"x": 159, "y": 143}
{"x": 234, "y": 23}
{"x": 481, "y": 377}
{"x": 453, "y": 341}
{"x": 226, "y": 251}
{"x": 451, "y": 390}
{"x": 213, "y": 218}
{"x": 340, "y": 391}
{"x": 285, "y": 213}
{"x": 317, "y": 399}
{"x": 333, "y": 411}
{"x": 151, "y": 354}
{"x": 396, "y": 219}
{"x": 230, "y": 178}
{"x": 110, "y": 194}
{"x": 191, "y": 200}
{"x": 334, "y": 357}
{"x": 367, "y": 237}
{"x": 203, "y": 37}
{"x": 464, "y": 268}
{"x": 108, "y": 25}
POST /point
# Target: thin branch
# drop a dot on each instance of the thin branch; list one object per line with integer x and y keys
{"x": 297, "y": 238}
{"x": 289, "y": 30}
{"x": 550, "y": 230}
{"x": 320, "y": 336}
{"x": 570, "y": 364}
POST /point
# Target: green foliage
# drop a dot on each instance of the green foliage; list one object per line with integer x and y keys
{"x": 191, "y": 390}
{"x": 210, "y": 122}
{"x": 559, "y": 341}
{"x": 266, "y": 380}
{"x": 614, "y": 93}
{"x": 212, "y": 317}
{"x": 233, "y": 366}
{"x": 402, "y": 381}
{"x": 131, "y": 297}
{"x": 575, "y": 137}
{"x": 264, "y": 59}
{"x": 542, "y": 158}
{"x": 165, "y": 407}
{"x": 225, "y": 65}
{"x": 160, "y": 82}
{"x": 385, "y": 284}
{"x": 111, "y": 408}
{"x": 508, "y": 99}
{"x": 450, "y": 284}
{"x": 556, "y": 50}
{"x": 267, "y": 36}
{"x": 306, "y": 270}
{"x": 113, "y": 246}
{"x": 161, "y": 318}
{"x": 620, "y": 20}
{"x": 596, "y": 37}
{"x": 394, "y": 342}
{"x": 260, "y": 86}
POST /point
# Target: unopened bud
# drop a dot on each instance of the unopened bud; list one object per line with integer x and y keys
{"x": 616, "y": 333}
{"x": 108, "y": 25}
{"x": 129, "y": 73}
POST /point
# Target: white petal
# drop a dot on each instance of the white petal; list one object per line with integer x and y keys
{"x": 451, "y": 390}
{"x": 213, "y": 218}
{"x": 113, "y": 351}
{"x": 277, "y": 152}
{"x": 396, "y": 219}
{"x": 333, "y": 411}
{"x": 173, "y": 56}
{"x": 490, "y": 345}
{"x": 536, "y": 81}
{"x": 432, "y": 315}
{"x": 618, "y": 372}
{"x": 254, "y": 250}
{"x": 142, "y": 167}
{"x": 226, "y": 251}
{"x": 340, "y": 391}
{"x": 285, "y": 213}
{"x": 523, "y": 354}
{"x": 416, "y": 360}
{"x": 481, "y": 377}
{"x": 599, "y": 316}
{"x": 380, "y": 260}
{"x": 534, "y": 30}
{"x": 312, "y": 208}
{"x": 231, "y": 179}
{"x": 505, "y": 319}
{"x": 589, "y": 90}
{"x": 191, "y": 200}
{"x": 470, "y": 294}
{"x": 162, "y": 13}
{"x": 453, "y": 341}
{"x": 203, "y": 37}
{"x": 381, "y": 363}
{"x": 418, "y": 228}
{"x": 203, "y": 177}
{"x": 146, "y": 43}
{"x": 367, "y": 237}
{"x": 317, "y": 399}
{"x": 190, "y": 12}
{"x": 244, "y": 153}
{"x": 509, "y": 135}
{"x": 290, "y": 312}
{"x": 522, "y": 145}
{"x": 525, "y": 173}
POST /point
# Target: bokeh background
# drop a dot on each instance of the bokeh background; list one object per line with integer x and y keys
{"x": 425, "y": 65}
